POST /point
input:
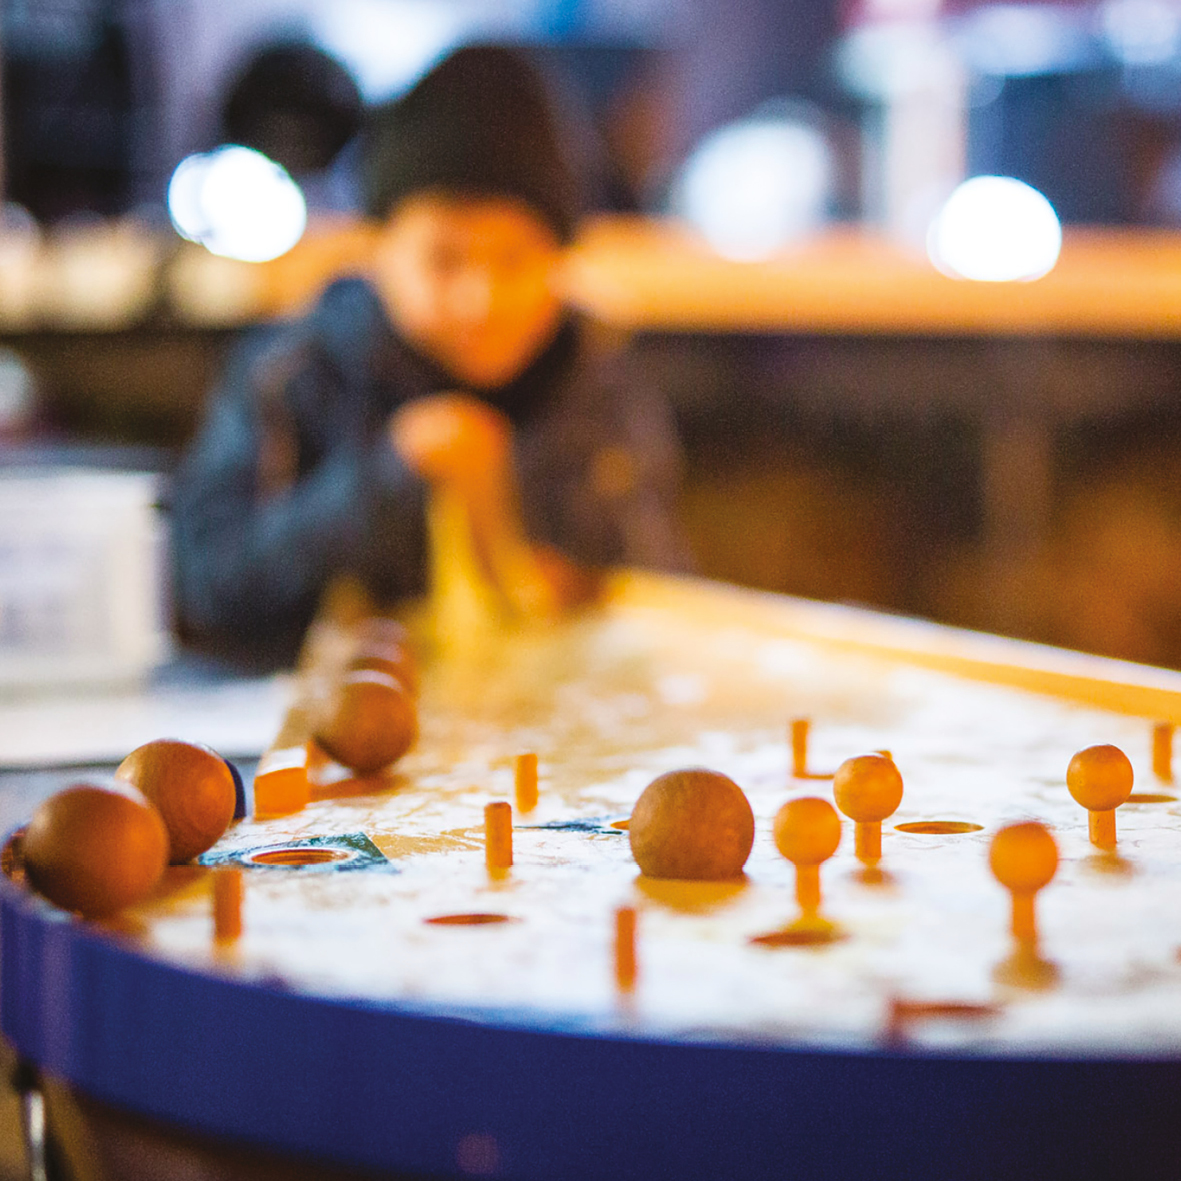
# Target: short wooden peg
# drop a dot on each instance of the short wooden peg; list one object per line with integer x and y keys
{"x": 1100, "y": 778}
{"x": 625, "y": 948}
{"x": 227, "y": 904}
{"x": 525, "y": 778}
{"x": 498, "y": 835}
{"x": 1162, "y": 751}
{"x": 799, "y": 747}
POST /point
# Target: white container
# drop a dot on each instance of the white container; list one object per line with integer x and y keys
{"x": 82, "y": 588}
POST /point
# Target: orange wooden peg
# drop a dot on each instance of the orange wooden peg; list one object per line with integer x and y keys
{"x": 498, "y": 835}
{"x": 525, "y": 781}
{"x": 1024, "y": 858}
{"x": 807, "y": 832}
{"x": 799, "y": 747}
{"x": 1100, "y": 778}
{"x": 868, "y": 789}
{"x": 625, "y": 948}
{"x": 227, "y": 904}
{"x": 1162, "y": 751}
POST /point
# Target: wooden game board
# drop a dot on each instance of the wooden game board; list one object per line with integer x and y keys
{"x": 348, "y": 1022}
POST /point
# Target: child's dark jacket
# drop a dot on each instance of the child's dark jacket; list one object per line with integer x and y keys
{"x": 292, "y": 479}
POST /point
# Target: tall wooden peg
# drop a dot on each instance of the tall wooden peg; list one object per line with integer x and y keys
{"x": 799, "y": 747}
{"x": 227, "y": 904}
{"x": 498, "y": 836}
{"x": 1162, "y": 751}
{"x": 868, "y": 789}
{"x": 625, "y": 948}
{"x": 1100, "y": 778}
{"x": 807, "y": 832}
{"x": 1024, "y": 859}
{"x": 525, "y": 781}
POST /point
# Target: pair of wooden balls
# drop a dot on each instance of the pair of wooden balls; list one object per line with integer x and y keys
{"x": 95, "y": 850}
{"x": 369, "y": 718}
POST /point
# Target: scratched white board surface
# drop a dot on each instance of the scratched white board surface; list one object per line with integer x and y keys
{"x": 669, "y": 675}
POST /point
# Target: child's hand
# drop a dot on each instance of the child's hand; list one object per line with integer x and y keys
{"x": 453, "y": 438}
{"x": 572, "y": 585}
{"x": 461, "y": 443}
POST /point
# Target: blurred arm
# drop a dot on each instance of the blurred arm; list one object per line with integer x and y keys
{"x": 269, "y": 506}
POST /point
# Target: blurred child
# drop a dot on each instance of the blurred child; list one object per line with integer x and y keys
{"x": 454, "y": 360}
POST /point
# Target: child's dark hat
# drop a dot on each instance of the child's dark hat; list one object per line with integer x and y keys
{"x": 479, "y": 123}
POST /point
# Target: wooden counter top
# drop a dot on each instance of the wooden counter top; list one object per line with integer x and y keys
{"x": 657, "y": 276}
{"x": 646, "y": 274}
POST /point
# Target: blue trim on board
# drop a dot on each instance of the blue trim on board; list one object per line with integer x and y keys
{"x": 387, "y": 1087}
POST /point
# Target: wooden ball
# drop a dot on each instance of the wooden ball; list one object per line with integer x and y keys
{"x": 191, "y": 786}
{"x": 1023, "y": 857}
{"x": 693, "y": 824}
{"x": 807, "y": 830}
{"x": 368, "y": 721}
{"x": 868, "y": 788}
{"x": 94, "y": 851}
{"x": 1100, "y": 778}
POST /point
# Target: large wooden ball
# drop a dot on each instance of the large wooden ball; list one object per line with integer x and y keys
{"x": 1100, "y": 778}
{"x": 367, "y": 722}
{"x": 95, "y": 851}
{"x": 867, "y": 788}
{"x": 807, "y": 830}
{"x": 1023, "y": 857}
{"x": 693, "y": 824}
{"x": 191, "y": 786}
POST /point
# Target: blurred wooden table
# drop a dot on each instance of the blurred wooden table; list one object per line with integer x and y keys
{"x": 648, "y": 275}
{"x": 644, "y": 274}
{"x": 1109, "y": 284}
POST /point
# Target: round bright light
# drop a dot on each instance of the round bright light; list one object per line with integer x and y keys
{"x": 237, "y": 203}
{"x": 754, "y": 186}
{"x": 995, "y": 229}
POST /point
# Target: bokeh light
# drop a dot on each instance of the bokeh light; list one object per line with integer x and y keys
{"x": 237, "y": 203}
{"x": 995, "y": 229}
{"x": 754, "y": 186}
{"x": 1024, "y": 40}
{"x": 1141, "y": 32}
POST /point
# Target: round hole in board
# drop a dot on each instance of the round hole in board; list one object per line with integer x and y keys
{"x": 297, "y": 855}
{"x": 939, "y": 827}
{"x": 1150, "y": 797}
{"x": 468, "y": 920}
{"x": 902, "y": 1011}
{"x": 622, "y": 825}
{"x": 798, "y": 937}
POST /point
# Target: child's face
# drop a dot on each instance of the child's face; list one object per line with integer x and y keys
{"x": 470, "y": 283}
